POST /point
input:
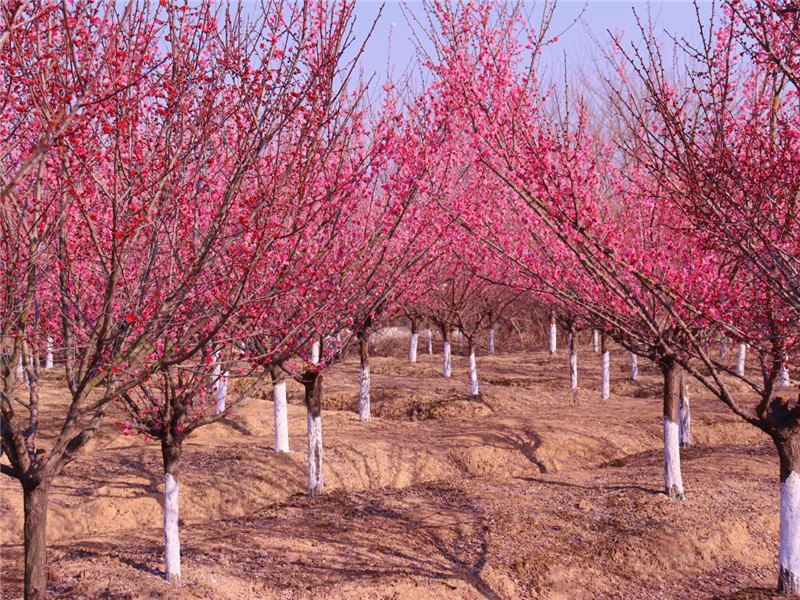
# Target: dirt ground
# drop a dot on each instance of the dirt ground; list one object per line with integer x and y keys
{"x": 530, "y": 491}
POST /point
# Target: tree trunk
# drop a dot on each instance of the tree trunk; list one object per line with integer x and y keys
{"x": 430, "y": 341}
{"x": 313, "y": 385}
{"x": 605, "y": 369}
{"x": 634, "y": 367}
{"x": 446, "y": 352}
{"x": 473, "y": 368}
{"x": 281, "y": 411}
{"x": 363, "y": 389}
{"x": 787, "y": 441}
{"x": 171, "y": 454}
{"x": 35, "y": 538}
{"x": 723, "y": 347}
{"x": 573, "y": 361}
{"x": 595, "y": 340}
{"x": 784, "y": 374}
{"x": 741, "y": 360}
{"x": 491, "y": 340}
{"x": 685, "y": 413}
{"x": 48, "y": 356}
{"x": 222, "y": 391}
{"x": 412, "y": 349}
{"x": 315, "y": 352}
{"x": 672, "y": 459}
{"x": 553, "y": 333}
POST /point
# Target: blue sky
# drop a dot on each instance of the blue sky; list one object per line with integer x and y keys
{"x": 577, "y": 42}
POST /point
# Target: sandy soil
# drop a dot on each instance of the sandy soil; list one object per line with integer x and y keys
{"x": 530, "y": 491}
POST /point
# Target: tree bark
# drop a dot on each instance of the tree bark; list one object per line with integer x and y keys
{"x": 553, "y": 333}
{"x": 672, "y": 460}
{"x": 312, "y": 382}
{"x": 741, "y": 360}
{"x": 446, "y": 352}
{"x": 281, "y": 410}
{"x": 605, "y": 368}
{"x": 315, "y": 352}
{"x": 491, "y": 340}
{"x": 412, "y": 348}
{"x": 171, "y": 454}
{"x": 685, "y": 413}
{"x": 787, "y": 441}
{"x": 473, "y": 368}
{"x": 35, "y": 500}
{"x": 573, "y": 360}
{"x": 364, "y": 383}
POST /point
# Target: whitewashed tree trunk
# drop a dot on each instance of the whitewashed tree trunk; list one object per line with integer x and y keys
{"x": 312, "y": 382}
{"x": 460, "y": 337}
{"x": 723, "y": 347}
{"x": 605, "y": 369}
{"x": 672, "y": 458}
{"x": 685, "y": 414}
{"x": 446, "y": 359}
{"x": 634, "y": 367}
{"x": 48, "y": 356}
{"x": 553, "y": 334}
{"x": 430, "y": 341}
{"x": 315, "y": 352}
{"x": 789, "y": 553}
{"x": 172, "y": 542}
{"x": 595, "y": 340}
{"x": 316, "y": 482}
{"x": 784, "y": 375}
{"x": 222, "y": 391}
{"x": 473, "y": 370}
{"x": 281, "y": 410}
{"x": 740, "y": 361}
{"x": 364, "y": 383}
{"x": 491, "y": 340}
{"x": 412, "y": 348}
{"x": 573, "y": 362}
{"x": 20, "y": 370}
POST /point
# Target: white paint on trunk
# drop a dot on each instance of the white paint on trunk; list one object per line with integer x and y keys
{"x": 473, "y": 374}
{"x": 222, "y": 391}
{"x": 20, "y": 370}
{"x": 672, "y": 459}
{"x": 430, "y": 341}
{"x": 460, "y": 337}
{"x": 446, "y": 360}
{"x": 596, "y": 340}
{"x": 281, "y": 416}
{"x": 315, "y": 352}
{"x": 605, "y": 374}
{"x": 363, "y": 395}
{"x": 784, "y": 375}
{"x": 48, "y": 356}
{"x": 789, "y": 554}
{"x": 573, "y": 364}
{"x": 316, "y": 483}
{"x": 172, "y": 543}
{"x": 634, "y": 367}
{"x": 741, "y": 359}
{"x": 412, "y": 348}
{"x": 491, "y": 341}
{"x": 685, "y": 413}
{"x": 553, "y": 338}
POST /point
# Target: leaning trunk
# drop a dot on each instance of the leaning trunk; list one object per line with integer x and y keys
{"x": 446, "y": 352}
{"x": 363, "y": 390}
{"x": 313, "y": 384}
{"x": 171, "y": 454}
{"x": 281, "y": 410}
{"x": 672, "y": 458}
{"x": 35, "y": 537}
{"x": 605, "y": 368}
{"x": 473, "y": 368}
{"x": 573, "y": 361}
